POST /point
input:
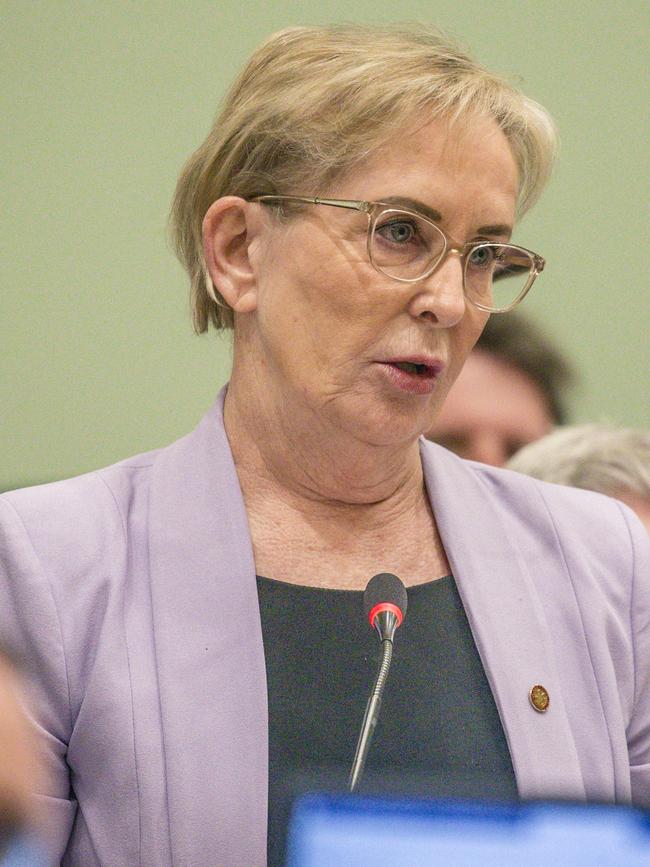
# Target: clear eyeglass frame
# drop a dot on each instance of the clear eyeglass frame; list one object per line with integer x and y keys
{"x": 375, "y": 210}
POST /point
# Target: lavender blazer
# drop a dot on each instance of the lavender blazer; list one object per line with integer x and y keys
{"x": 131, "y": 592}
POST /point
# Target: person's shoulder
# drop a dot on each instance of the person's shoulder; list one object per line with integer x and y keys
{"x": 99, "y": 511}
{"x": 77, "y": 498}
{"x": 561, "y": 501}
{"x": 579, "y": 518}
{"x": 588, "y": 526}
{"x": 77, "y": 518}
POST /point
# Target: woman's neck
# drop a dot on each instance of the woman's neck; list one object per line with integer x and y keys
{"x": 323, "y": 507}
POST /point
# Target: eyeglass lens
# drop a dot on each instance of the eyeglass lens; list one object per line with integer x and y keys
{"x": 406, "y": 247}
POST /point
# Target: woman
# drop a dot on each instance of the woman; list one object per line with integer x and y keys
{"x": 175, "y": 694}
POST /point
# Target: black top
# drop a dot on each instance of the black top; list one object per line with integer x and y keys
{"x": 439, "y": 732}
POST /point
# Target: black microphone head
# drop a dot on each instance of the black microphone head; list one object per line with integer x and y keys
{"x": 384, "y": 587}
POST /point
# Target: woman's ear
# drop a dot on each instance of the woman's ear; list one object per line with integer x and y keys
{"x": 227, "y": 234}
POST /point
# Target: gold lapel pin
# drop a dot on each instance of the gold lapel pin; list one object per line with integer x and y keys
{"x": 539, "y": 698}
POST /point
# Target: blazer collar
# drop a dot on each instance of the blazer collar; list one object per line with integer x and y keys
{"x": 507, "y": 619}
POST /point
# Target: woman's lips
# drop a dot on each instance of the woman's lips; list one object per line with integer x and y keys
{"x": 414, "y": 375}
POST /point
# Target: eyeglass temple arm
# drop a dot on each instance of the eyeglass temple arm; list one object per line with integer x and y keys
{"x": 335, "y": 203}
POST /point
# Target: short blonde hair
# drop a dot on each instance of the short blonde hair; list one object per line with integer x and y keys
{"x": 313, "y": 102}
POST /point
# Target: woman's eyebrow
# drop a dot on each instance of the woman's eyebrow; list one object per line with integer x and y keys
{"x": 414, "y": 205}
{"x": 499, "y": 229}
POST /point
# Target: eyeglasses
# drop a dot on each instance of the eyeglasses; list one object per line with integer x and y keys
{"x": 408, "y": 247}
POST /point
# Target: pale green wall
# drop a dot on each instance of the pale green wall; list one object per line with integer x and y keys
{"x": 105, "y": 100}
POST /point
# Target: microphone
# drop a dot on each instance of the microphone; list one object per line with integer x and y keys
{"x": 384, "y": 603}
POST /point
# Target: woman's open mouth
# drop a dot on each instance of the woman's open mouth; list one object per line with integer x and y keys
{"x": 413, "y": 367}
{"x": 413, "y": 376}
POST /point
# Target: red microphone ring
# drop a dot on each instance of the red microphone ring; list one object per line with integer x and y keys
{"x": 385, "y": 606}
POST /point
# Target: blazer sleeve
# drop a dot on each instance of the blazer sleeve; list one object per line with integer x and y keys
{"x": 30, "y": 627}
{"x": 638, "y": 731}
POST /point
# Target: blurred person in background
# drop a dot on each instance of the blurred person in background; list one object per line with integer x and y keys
{"x": 19, "y": 773}
{"x": 597, "y": 457}
{"x": 510, "y": 392}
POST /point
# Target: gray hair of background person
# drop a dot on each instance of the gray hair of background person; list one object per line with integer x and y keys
{"x": 517, "y": 341}
{"x": 312, "y": 103}
{"x": 596, "y": 457}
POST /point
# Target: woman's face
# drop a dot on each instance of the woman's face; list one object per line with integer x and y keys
{"x": 337, "y": 339}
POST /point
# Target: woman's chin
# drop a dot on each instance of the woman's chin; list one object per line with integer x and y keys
{"x": 388, "y": 424}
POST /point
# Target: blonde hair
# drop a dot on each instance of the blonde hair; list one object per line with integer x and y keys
{"x": 596, "y": 457}
{"x": 313, "y": 102}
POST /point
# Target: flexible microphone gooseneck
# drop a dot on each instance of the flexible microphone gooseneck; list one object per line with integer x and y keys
{"x": 384, "y": 602}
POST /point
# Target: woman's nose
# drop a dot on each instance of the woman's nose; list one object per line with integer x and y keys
{"x": 440, "y": 297}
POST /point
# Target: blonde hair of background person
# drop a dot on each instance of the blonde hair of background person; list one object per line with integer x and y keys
{"x": 597, "y": 457}
{"x": 313, "y": 103}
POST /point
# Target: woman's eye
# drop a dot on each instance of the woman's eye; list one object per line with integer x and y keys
{"x": 483, "y": 257}
{"x": 398, "y": 232}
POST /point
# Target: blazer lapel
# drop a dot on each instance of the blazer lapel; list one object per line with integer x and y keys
{"x": 480, "y": 536}
{"x": 209, "y": 652}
